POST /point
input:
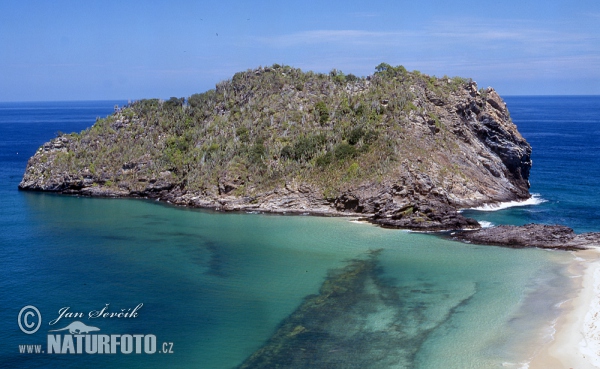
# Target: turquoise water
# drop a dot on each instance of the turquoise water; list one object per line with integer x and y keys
{"x": 219, "y": 285}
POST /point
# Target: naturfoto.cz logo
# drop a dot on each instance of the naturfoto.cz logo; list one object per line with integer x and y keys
{"x": 79, "y": 338}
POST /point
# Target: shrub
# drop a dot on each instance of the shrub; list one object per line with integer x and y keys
{"x": 287, "y": 152}
{"x": 337, "y": 76}
{"x": 324, "y": 160}
{"x": 198, "y": 100}
{"x": 358, "y": 133}
{"x": 243, "y": 134}
{"x": 306, "y": 147}
{"x": 370, "y": 137}
{"x": 389, "y": 71}
{"x": 257, "y": 152}
{"x": 355, "y": 135}
{"x": 359, "y": 109}
{"x": 383, "y": 68}
{"x": 351, "y": 78}
{"x": 174, "y": 102}
{"x": 344, "y": 151}
{"x": 344, "y": 107}
{"x": 353, "y": 169}
{"x": 323, "y": 112}
{"x": 211, "y": 150}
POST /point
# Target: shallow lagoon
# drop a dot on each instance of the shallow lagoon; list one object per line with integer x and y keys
{"x": 219, "y": 285}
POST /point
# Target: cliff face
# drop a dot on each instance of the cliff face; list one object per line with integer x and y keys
{"x": 404, "y": 148}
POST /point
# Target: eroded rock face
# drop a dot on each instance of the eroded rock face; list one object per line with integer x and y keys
{"x": 506, "y": 143}
{"x": 531, "y": 235}
{"x": 493, "y": 128}
{"x": 454, "y": 150}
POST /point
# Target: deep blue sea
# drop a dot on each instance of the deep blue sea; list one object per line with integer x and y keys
{"x": 215, "y": 286}
{"x": 564, "y": 132}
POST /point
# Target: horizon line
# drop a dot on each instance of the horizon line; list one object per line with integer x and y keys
{"x": 132, "y": 100}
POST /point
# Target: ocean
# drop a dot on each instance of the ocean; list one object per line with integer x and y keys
{"x": 208, "y": 290}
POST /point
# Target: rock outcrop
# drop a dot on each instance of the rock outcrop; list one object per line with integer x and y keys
{"x": 531, "y": 235}
{"x": 403, "y": 149}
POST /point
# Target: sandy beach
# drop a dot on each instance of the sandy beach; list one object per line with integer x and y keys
{"x": 576, "y": 341}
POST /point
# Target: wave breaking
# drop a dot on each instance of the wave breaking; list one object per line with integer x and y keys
{"x": 535, "y": 199}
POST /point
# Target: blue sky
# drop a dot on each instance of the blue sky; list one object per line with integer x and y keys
{"x": 93, "y": 50}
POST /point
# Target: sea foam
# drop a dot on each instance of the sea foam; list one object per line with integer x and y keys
{"x": 485, "y": 224}
{"x": 535, "y": 199}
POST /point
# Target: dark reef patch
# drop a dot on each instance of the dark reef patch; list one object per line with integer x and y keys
{"x": 358, "y": 320}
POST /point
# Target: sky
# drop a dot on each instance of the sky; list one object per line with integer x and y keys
{"x": 102, "y": 50}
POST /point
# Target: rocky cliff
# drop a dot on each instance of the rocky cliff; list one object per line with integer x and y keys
{"x": 401, "y": 148}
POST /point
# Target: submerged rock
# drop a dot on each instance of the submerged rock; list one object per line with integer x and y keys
{"x": 531, "y": 235}
{"x": 358, "y": 320}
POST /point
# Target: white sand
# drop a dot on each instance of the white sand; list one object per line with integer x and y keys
{"x": 576, "y": 342}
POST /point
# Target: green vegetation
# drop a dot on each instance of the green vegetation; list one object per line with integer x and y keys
{"x": 322, "y": 111}
{"x": 265, "y": 126}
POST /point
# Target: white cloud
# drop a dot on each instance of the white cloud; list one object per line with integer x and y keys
{"x": 352, "y": 37}
{"x": 514, "y": 36}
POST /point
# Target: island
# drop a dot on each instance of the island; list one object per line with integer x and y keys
{"x": 401, "y": 149}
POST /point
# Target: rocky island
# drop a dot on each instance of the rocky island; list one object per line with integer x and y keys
{"x": 401, "y": 148}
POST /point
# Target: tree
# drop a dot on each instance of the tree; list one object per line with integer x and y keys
{"x": 174, "y": 102}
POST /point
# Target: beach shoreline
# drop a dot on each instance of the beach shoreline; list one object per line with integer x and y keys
{"x": 576, "y": 342}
